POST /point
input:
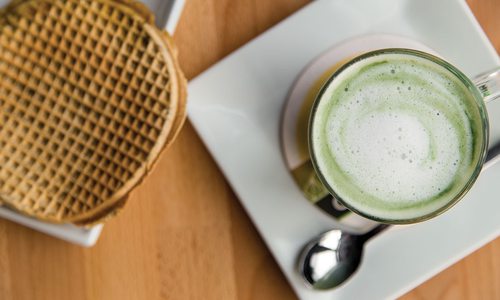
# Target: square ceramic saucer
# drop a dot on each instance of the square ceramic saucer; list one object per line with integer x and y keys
{"x": 236, "y": 107}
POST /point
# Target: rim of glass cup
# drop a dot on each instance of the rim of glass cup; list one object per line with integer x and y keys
{"x": 478, "y": 97}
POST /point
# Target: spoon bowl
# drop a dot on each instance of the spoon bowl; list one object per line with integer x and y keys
{"x": 333, "y": 257}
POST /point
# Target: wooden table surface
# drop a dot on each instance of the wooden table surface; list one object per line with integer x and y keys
{"x": 184, "y": 234}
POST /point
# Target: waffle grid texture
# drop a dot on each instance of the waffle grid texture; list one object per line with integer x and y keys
{"x": 90, "y": 94}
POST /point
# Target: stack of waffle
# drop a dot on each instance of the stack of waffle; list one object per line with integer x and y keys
{"x": 90, "y": 94}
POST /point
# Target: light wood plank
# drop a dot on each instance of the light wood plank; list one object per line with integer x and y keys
{"x": 184, "y": 234}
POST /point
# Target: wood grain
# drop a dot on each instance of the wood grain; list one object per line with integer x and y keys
{"x": 184, "y": 234}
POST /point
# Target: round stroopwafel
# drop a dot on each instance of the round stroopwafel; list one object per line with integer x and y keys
{"x": 90, "y": 93}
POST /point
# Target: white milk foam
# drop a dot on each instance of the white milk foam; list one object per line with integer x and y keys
{"x": 393, "y": 136}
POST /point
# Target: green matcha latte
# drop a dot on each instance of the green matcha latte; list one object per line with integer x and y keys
{"x": 398, "y": 135}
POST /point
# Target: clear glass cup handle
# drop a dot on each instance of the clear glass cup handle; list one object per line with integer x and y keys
{"x": 488, "y": 84}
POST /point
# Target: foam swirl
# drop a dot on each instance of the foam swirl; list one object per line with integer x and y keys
{"x": 395, "y": 136}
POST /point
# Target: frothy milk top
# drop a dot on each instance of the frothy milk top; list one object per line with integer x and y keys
{"x": 396, "y": 136}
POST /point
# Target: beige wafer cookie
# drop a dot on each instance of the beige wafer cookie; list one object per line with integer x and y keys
{"x": 91, "y": 92}
{"x": 181, "y": 105}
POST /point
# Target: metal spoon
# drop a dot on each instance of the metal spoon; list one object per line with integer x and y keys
{"x": 331, "y": 258}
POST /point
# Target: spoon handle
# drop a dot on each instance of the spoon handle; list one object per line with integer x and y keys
{"x": 365, "y": 237}
{"x": 492, "y": 157}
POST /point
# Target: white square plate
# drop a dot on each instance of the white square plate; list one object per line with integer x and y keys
{"x": 236, "y": 106}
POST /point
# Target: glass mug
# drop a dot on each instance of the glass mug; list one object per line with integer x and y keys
{"x": 443, "y": 95}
